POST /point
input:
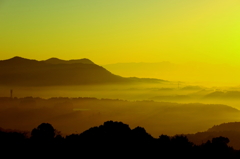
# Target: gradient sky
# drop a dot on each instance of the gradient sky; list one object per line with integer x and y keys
{"x": 112, "y": 31}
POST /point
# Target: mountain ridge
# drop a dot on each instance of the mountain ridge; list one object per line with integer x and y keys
{"x": 55, "y": 60}
{"x": 27, "y": 72}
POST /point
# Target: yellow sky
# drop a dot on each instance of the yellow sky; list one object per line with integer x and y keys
{"x": 112, "y": 31}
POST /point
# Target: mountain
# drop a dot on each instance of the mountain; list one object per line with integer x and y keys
{"x": 25, "y": 72}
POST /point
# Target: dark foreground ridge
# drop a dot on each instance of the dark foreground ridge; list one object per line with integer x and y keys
{"x": 110, "y": 140}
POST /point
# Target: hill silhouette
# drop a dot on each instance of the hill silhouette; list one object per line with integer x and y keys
{"x": 25, "y": 72}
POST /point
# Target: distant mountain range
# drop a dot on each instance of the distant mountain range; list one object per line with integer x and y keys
{"x": 25, "y": 72}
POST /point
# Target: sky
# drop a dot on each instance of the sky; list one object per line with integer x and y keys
{"x": 116, "y": 31}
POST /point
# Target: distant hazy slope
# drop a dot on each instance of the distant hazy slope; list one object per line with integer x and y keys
{"x": 230, "y": 130}
{"x": 21, "y": 72}
{"x": 223, "y": 95}
{"x": 154, "y": 70}
{"x": 189, "y": 72}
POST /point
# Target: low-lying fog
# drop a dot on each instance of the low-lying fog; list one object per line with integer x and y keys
{"x": 163, "y": 92}
{"x": 169, "y": 108}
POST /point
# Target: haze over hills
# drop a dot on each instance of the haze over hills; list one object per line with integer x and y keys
{"x": 53, "y": 72}
{"x": 78, "y": 114}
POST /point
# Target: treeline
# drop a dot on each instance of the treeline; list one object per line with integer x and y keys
{"x": 110, "y": 140}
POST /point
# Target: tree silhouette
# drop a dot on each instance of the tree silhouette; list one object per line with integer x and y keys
{"x": 220, "y": 140}
{"x": 44, "y": 131}
{"x": 140, "y": 133}
{"x": 110, "y": 140}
